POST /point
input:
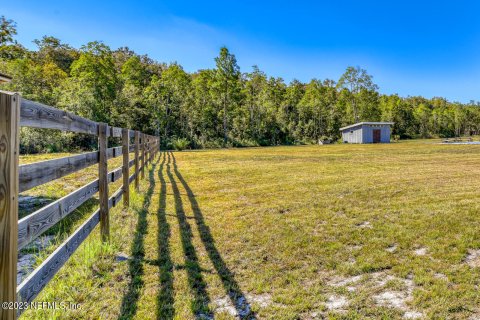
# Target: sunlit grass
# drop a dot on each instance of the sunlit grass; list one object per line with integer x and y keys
{"x": 285, "y": 222}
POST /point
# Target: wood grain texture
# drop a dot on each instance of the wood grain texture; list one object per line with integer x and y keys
{"x": 115, "y": 132}
{"x": 103, "y": 181}
{"x": 131, "y": 178}
{"x": 137, "y": 144}
{"x": 116, "y": 197}
{"x": 37, "y": 115}
{"x": 35, "y": 174}
{"x": 125, "y": 167}
{"x": 38, "y": 173}
{"x": 38, "y": 279}
{"x": 9, "y": 150}
{"x": 33, "y": 225}
{"x": 114, "y": 152}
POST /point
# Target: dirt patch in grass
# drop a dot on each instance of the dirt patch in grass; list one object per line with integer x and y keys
{"x": 421, "y": 251}
{"x": 473, "y": 258}
{"x": 365, "y": 225}
{"x": 391, "y": 291}
{"x": 240, "y": 307}
{"x": 229, "y": 232}
{"x": 392, "y": 248}
{"x": 336, "y": 303}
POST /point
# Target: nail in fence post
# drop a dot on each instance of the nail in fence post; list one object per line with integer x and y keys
{"x": 103, "y": 181}
{"x": 125, "y": 167}
{"x": 137, "y": 142}
{"x": 143, "y": 156}
{"x": 9, "y": 149}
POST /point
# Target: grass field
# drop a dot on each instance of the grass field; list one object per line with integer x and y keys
{"x": 342, "y": 231}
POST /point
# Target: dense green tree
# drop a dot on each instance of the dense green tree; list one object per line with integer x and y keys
{"x": 211, "y": 107}
{"x": 227, "y": 85}
{"x": 361, "y": 88}
{"x": 8, "y": 29}
{"x": 92, "y": 87}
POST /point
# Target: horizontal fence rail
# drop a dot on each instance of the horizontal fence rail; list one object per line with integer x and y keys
{"x": 35, "y": 174}
{"x": 16, "y": 112}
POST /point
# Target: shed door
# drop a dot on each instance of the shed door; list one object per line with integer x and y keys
{"x": 377, "y": 135}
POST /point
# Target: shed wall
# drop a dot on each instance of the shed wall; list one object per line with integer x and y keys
{"x": 368, "y": 133}
{"x": 364, "y": 134}
{"x": 353, "y": 135}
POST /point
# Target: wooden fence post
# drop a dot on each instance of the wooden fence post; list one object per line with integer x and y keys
{"x": 143, "y": 155}
{"x": 146, "y": 148}
{"x": 9, "y": 150}
{"x": 103, "y": 181}
{"x": 150, "y": 148}
{"x": 137, "y": 142}
{"x": 125, "y": 167}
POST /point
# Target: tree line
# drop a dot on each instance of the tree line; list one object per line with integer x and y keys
{"x": 218, "y": 107}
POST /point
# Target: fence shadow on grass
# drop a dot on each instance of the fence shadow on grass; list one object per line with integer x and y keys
{"x": 165, "y": 309}
{"x": 199, "y": 305}
{"x": 130, "y": 299}
{"x": 230, "y": 285}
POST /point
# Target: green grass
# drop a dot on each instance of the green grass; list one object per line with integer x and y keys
{"x": 297, "y": 225}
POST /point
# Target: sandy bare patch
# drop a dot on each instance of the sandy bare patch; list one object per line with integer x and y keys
{"x": 349, "y": 282}
{"x": 336, "y": 303}
{"x": 412, "y": 315}
{"x": 392, "y": 248}
{"x": 392, "y": 299}
{"x": 441, "y": 276}
{"x": 355, "y": 247}
{"x": 241, "y": 307}
{"x": 262, "y": 300}
{"x": 312, "y": 315}
{"x": 420, "y": 251}
{"x": 396, "y": 299}
{"x": 473, "y": 258}
{"x": 365, "y": 225}
{"x": 376, "y": 281}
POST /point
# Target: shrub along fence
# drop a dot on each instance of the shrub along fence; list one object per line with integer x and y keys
{"x": 14, "y": 234}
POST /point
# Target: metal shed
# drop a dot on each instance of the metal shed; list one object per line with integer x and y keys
{"x": 367, "y": 132}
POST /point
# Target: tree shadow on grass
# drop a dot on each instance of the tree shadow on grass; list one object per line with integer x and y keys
{"x": 199, "y": 305}
{"x": 130, "y": 299}
{"x": 230, "y": 285}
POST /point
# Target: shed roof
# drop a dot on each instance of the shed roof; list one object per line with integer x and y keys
{"x": 366, "y": 123}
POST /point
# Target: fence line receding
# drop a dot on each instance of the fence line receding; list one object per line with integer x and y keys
{"x": 16, "y": 112}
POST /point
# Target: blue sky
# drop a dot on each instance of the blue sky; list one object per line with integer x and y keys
{"x": 429, "y": 48}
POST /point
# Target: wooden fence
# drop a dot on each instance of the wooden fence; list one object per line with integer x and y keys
{"x": 16, "y": 112}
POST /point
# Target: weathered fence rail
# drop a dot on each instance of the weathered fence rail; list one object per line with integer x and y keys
{"x": 16, "y": 112}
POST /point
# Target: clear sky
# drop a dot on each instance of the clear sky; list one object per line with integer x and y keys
{"x": 429, "y": 48}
